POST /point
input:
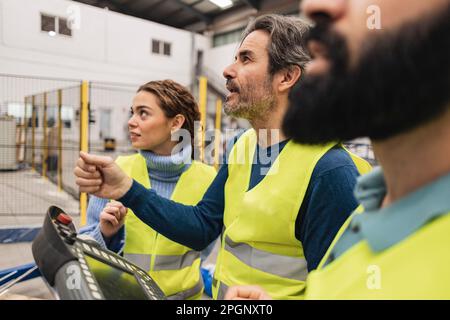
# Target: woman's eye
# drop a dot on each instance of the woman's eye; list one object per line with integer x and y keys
{"x": 143, "y": 113}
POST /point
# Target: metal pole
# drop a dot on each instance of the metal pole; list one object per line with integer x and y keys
{"x": 84, "y": 143}
{"x": 45, "y": 146}
{"x": 25, "y": 124}
{"x": 60, "y": 155}
{"x": 203, "y": 91}
{"x": 33, "y": 132}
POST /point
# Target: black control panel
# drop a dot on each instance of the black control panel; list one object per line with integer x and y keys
{"x": 81, "y": 270}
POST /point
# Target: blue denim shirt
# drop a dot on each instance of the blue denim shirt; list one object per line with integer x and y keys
{"x": 384, "y": 227}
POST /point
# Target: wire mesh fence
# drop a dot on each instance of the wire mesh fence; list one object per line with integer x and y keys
{"x": 40, "y": 126}
{"x": 39, "y": 140}
{"x": 109, "y": 113}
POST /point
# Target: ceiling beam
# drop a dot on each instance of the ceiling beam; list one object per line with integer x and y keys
{"x": 168, "y": 17}
{"x": 203, "y": 17}
{"x": 153, "y": 6}
{"x": 123, "y": 8}
{"x": 255, "y": 4}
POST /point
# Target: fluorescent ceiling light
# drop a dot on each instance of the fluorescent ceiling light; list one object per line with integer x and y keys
{"x": 223, "y": 4}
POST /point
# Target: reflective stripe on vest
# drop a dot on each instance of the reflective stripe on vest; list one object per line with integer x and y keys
{"x": 141, "y": 260}
{"x": 174, "y": 267}
{"x": 279, "y": 265}
{"x": 163, "y": 262}
{"x": 170, "y": 263}
{"x": 222, "y": 290}
{"x": 175, "y": 262}
{"x": 194, "y": 292}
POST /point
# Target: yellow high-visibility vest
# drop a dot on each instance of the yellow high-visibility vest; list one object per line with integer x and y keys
{"x": 415, "y": 268}
{"x": 174, "y": 267}
{"x": 258, "y": 242}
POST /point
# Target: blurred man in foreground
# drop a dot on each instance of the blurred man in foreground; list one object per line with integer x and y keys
{"x": 388, "y": 80}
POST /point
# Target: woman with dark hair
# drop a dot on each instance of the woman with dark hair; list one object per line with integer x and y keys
{"x": 160, "y": 110}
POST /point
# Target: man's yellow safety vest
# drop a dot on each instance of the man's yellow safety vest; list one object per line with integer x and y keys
{"x": 417, "y": 267}
{"x": 175, "y": 268}
{"x": 258, "y": 242}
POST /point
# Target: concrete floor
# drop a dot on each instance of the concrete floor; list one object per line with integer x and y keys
{"x": 24, "y": 199}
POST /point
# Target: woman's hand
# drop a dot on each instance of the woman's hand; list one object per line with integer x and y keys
{"x": 112, "y": 218}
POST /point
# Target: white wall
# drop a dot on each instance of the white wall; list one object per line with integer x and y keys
{"x": 108, "y": 46}
{"x": 218, "y": 58}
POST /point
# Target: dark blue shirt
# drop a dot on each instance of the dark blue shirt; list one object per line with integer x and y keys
{"x": 327, "y": 204}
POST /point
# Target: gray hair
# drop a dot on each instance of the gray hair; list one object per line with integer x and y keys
{"x": 287, "y": 46}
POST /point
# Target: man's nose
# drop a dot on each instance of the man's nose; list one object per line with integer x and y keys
{"x": 229, "y": 72}
{"x": 315, "y": 9}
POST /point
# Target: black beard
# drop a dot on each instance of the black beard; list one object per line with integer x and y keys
{"x": 401, "y": 81}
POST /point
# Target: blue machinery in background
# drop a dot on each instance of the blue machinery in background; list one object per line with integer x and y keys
{"x": 11, "y": 276}
{"x": 19, "y": 234}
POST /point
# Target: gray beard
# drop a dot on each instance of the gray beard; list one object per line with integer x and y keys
{"x": 251, "y": 111}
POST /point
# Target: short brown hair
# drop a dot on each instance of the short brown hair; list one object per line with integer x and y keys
{"x": 175, "y": 99}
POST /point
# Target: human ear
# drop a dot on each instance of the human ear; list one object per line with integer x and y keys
{"x": 177, "y": 122}
{"x": 289, "y": 77}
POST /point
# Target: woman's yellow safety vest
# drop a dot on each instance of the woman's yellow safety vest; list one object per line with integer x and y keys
{"x": 416, "y": 268}
{"x": 258, "y": 242}
{"x": 174, "y": 267}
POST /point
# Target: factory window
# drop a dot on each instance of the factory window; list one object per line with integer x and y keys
{"x": 55, "y": 25}
{"x": 48, "y": 23}
{"x": 63, "y": 28}
{"x": 167, "y": 47}
{"x": 227, "y": 37}
{"x": 155, "y": 46}
{"x": 161, "y": 47}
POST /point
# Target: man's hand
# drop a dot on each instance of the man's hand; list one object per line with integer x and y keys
{"x": 246, "y": 293}
{"x": 101, "y": 176}
{"x": 112, "y": 218}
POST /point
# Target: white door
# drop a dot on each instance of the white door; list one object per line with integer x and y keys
{"x": 105, "y": 123}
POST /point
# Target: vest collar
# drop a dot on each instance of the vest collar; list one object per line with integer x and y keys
{"x": 385, "y": 227}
